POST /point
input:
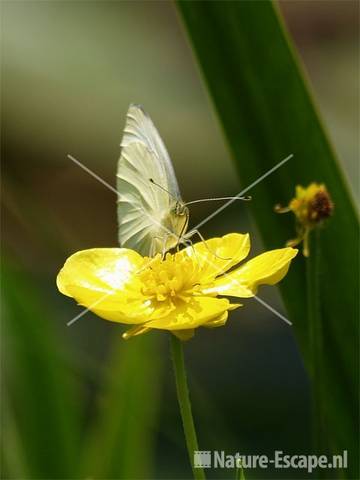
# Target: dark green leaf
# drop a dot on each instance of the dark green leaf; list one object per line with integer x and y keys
{"x": 40, "y": 414}
{"x": 267, "y": 113}
{"x": 123, "y": 439}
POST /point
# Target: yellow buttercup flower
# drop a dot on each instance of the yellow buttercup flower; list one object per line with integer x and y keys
{"x": 177, "y": 293}
{"x": 311, "y": 206}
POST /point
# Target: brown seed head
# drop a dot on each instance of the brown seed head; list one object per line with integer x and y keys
{"x": 320, "y": 207}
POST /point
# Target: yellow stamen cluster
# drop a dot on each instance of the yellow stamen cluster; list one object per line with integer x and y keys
{"x": 175, "y": 276}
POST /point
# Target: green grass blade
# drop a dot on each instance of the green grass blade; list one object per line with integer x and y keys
{"x": 122, "y": 442}
{"x": 267, "y": 113}
{"x": 41, "y": 416}
{"x": 13, "y": 462}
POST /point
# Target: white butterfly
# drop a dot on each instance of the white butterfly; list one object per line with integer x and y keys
{"x": 152, "y": 215}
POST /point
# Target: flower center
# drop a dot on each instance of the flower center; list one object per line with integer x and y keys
{"x": 168, "y": 278}
{"x": 312, "y": 205}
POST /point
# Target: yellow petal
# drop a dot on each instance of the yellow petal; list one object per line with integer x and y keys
{"x": 105, "y": 281}
{"x": 216, "y": 255}
{"x": 115, "y": 306}
{"x": 268, "y": 268}
{"x": 217, "y": 322}
{"x": 192, "y": 314}
{"x": 132, "y": 332}
{"x": 101, "y": 269}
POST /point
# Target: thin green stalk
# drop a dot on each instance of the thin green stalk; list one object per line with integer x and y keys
{"x": 240, "y": 475}
{"x": 184, "y": 404}
{"x": 315, "y": 338}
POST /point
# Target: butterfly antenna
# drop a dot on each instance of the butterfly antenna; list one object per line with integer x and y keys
{"x": 246, "y": 199}
{"x": 162, "y": 188}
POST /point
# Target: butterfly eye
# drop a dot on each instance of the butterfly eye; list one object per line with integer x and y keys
{"x": 180, "y": 209}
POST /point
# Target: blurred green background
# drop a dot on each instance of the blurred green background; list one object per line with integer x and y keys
{"x": 69, "y": 72}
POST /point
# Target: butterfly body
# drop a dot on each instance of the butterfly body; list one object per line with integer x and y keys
{"x": 175, "y": 221}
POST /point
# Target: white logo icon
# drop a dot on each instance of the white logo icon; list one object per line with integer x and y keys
{"x": 202, "y": 459}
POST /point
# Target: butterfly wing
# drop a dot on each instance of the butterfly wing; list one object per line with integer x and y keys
{"x": 145, "y": 211}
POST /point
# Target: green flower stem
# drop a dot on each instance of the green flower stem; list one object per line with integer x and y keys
{"x": 240, "y": 475}
{"x": 315, "y": 339}
{"x": 184, "y": 404}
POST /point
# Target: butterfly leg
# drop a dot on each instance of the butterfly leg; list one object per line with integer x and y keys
{"x": 164, "y": 249}
{"x": 196, "y": 232}
{"x": 153, "y": 249}
{"x": 188, "y": 243}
